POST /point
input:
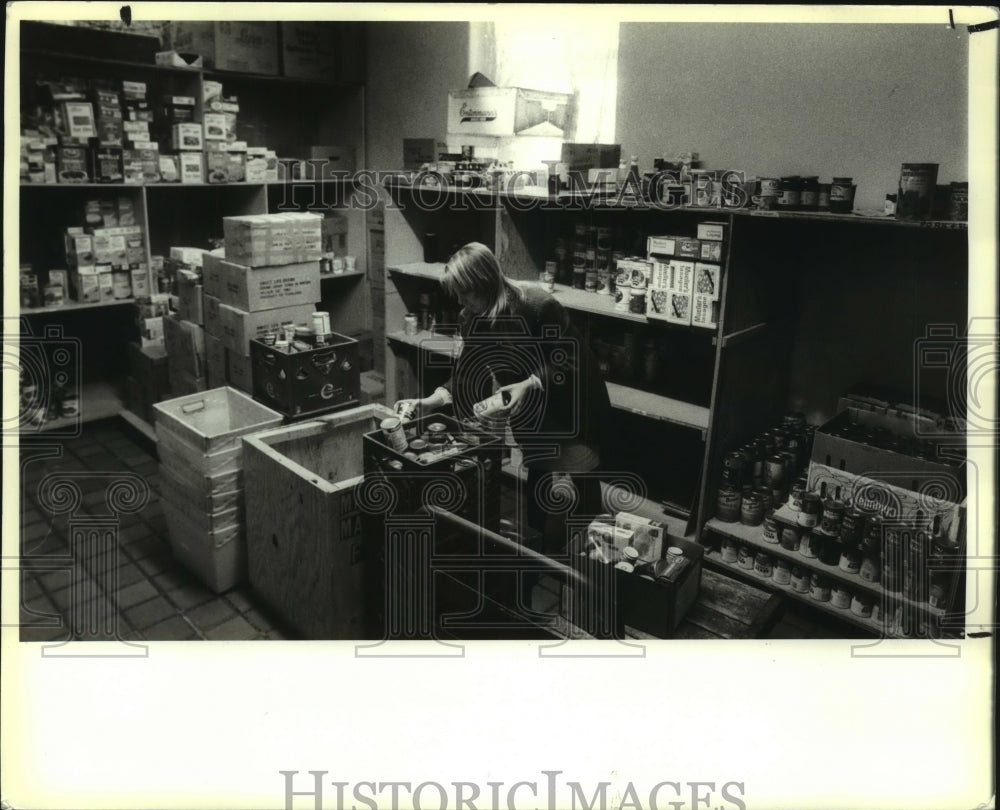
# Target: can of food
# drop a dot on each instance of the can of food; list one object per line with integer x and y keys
{"x": 823, "y": 197}
{"x": 548, "y": 276}
{"x": 808, "y": 515}
{"x": 809, "y": 196}
{"x": 605, "y": 238}
{"x": 782, "y": 572}
{"x": 405, "y": 409}
{"x": 762, "y": 565}
{"x": 623, "y": 295}
{"x": 917, "y": 183}
{"x": 795, "y": 493}
{"x": 732, "y": 469}
{"x": 770, "y": 529}
{"x": 774, "y": 470}
{"x": 819, "y": 588}
{"x": 730, "y": 550}
{"x": 789, "y": 193}
{"x": 789, "y": 536}
{"x": 800, "y": 579}
{"x": 419, "y": 446}
{"x": 728, "y": 504}
{"x": 831, "y": 516}
{"x": 850, "y": 559}
{"x": 70, "y": 405}
{"x": 840, "y": 597}
{"x": 625, "y": 566}
{"x": 832, "y": 549}
{"x": 852, "y": 527}
{"x": 768, "y": 198}
{"x": 751, "y": 510}
{"x": 766, "y": 498}
{"x": 410, "y": 324}
{"x": 842, "y": 191}
{"x": 745, "y": 557}
{"x": 812, "y": 544}
{"x": 392, "y": 429}
{"x": 637, "y": 301}
{"x": 861, "y": 605}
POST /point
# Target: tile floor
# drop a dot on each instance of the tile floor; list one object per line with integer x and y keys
{"x": 155, "y": 598}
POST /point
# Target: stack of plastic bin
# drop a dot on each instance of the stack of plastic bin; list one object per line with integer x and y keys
{"x": 200, "y": 444}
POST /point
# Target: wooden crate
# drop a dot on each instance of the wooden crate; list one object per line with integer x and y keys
{"x": 304, "y": 537}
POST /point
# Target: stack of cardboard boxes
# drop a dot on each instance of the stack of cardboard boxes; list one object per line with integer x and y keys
{"x": 269, "y": 278}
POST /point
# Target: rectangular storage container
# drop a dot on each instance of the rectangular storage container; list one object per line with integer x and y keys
{"x": 309, "y": 381}
{"x": 217, "y": 558}
{"x": 183, "y": 458}
{"x": 304, "y": 536}
{"x": 213, "y": 421}
{"x": 186, "y": 491}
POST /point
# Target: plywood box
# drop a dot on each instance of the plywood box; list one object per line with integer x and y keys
{"x": 315, "y": 466}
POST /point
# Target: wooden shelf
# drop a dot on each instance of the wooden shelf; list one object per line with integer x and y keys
{"x": 106, "y": 186}
{"x": 69, "y": 306}
{"x": 754, "y": 536}
{"x": 656, "y": 406}
{"x": 98, "y": 400}
{"x": 331, "y": 276}
{"x": 121, "y": 64}
{"x": 874, "y": 625}
{"x": 429, "y": 342}
{"x": 432, "y": 271}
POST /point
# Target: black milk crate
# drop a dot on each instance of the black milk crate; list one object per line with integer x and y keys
{"x": 307, "y": 382}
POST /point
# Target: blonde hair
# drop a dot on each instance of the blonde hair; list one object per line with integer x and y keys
{"x": 473, "y": 269}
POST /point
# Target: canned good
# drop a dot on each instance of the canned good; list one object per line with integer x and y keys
{"x": 832, "y": 516}
{"x": 751, "y": 510}
{"x": 808, "y": 515}
{"x": 392, "y": 429}
{"x": 870, "y": 569}
{"x": 410, "y": 324}
{"x": 70, "y": 405}
{"x": 809, "y": 194}
{"x": 850, "y": 559}
{"x": 861, "y": 605}
{"x": 762, "y": 565}
{"x": 732, "y": 469}
{"x": 852, "y": 527}
{"x": 800, "y": 579}
{"x": 840, "y": 597}
{"x": 728, "y": 507}
{"x": 831, "y": 553}
{"x": 892, "y": 559}
{"x": 745, "y": 557}
{"x": 730, "y": 550}
{"x": 842, "y": 195}
{"x": 394, "y": 464}
{"x": 795, "y": 494}
{"x": 819, "y": 588}
{"x": 627, "y": 567}
{"x": 812, "y": 544}
{"x": 823, "y": 197}
{"x": 774, "y": 470}
{"x": 782, "y": 572}
{"x": 789, "y": 193}
{"x": 770, "y": 529}
{"x": 405, "y": 409}
{"x": 766, "y": 498}
{"x": 419, "y": 446}
{"x": 789, "y": 535}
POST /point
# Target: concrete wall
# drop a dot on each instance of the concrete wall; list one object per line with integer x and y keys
{"x": 854, "y": 100}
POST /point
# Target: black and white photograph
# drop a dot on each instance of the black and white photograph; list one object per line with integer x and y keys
{"x": 457, "y": 379}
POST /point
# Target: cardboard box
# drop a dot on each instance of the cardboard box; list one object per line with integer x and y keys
{"x": 245, "y": 47}
{"x": 85, "y": 284}
{"x": 661, "y": 246}
{"x": 187, "y": 137}
{"x": 704, "y": 311}
{"x": 140, "y": 281}
{"x": 214, "y": 125}
{"x": 329, "y": 161}
{"x": 71, "y": 164}
{"x": 711, "y": 251}
{"x": 584, "y": 156}
{"x": 665, "y": 305}
{"x": 263, "y": 240}
{"x": 170, "y": 169}
{"x": 707, "y": 279}
{"x": 255, "y": 289}
{"x": 189, "y": 298}
{"x": 185, "y": 343}
{"x": 215, "y": 361}
{"x": 78, "y": 118}
{"x": 307, "y": 51}
{"x": 235, "y": 327}
{"x": 712, "y": 231}
{"x": 216, "y": 166}
{"x": 239, "y": 371}
{"x": 508, "y": 111}
{"x": 192, "y": 256}
{"x": 192, "y": 167}
{"x": 79, "y": 249}
{"x": 418, "y": 151}
{"x": 236, "y": 166}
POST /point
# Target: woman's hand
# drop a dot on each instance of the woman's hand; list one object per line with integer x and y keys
{"x": 519, "y": 393}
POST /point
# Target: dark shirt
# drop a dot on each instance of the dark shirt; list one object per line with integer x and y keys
{"x": 537, "y": 337}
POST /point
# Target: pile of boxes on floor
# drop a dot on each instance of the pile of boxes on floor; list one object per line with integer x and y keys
{"x": 105, "y": 259}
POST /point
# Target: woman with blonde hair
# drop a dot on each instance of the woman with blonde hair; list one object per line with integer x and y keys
{"x": 518, "y": 340}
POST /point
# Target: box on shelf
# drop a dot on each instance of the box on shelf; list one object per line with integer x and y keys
{"x": 246, "y": 47}
{"x": 85, "y": 284}
{"x": 187, "y": 137}
{"x": 309, "y": 381}
{"x": 106, "y": 164}
{"x": 712, "y": 231}
{"x": 704, "y": 310}
{"x": 707, "y": 279}
{"x": 256, "y": 288}
{"x": 78, "y": 119}
{"x": 214, "y": 126}
{"x": 319, "y": 462}
{"x": 508, "y": 111}
{"x": 236, "y": 328}
{"x": 308, "y": 51}
{"x": 262, "y": 240}
{"x": 192, "y": 167}
{"x": 192, "y": 256}
{"x": 256, "y": 165}
{"x": 71, "y": 164}
{"x": 582, "y": 157}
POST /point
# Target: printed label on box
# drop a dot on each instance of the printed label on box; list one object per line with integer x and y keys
{"x": 707, "y": 279}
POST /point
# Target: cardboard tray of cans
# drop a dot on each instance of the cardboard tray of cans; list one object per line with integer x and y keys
{"x": 307, "y": 381}
{"x": 883, "y": 447}
{"x": 653, "y": 598}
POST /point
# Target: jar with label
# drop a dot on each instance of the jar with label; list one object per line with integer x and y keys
{"x": 809, "y": 194}
{"x": 842, "y": 195}
{"x": 730, "y": 549}
{"x": 861, "y": 605}
{"x": 812, "y": 544}
{"x": 745, "y": 557}
{"x": 832, "y": 549}
{"x": 774, "y": 471}
{"x": 890, "y": 205}
{"x": 410, "y": 324}
{"x": 729, "y": 502}
{"x": 782, "y": 572}
{"x": 850, "y": 559}
{"x": 852, "y": 527}
{"x": 732, "y": 469}
{"x": 958, "y": 202}
{"x": 762, "y": 566}
{"x": 808, "y": 516}
{"x": 766, "y": 499}
{"x": 832, "y": 516}
{"x": 870, "y": 569}
{"x": 800, "y": 579}
{"x": 751, "y": 510}
{"x": 789, "y": 193}
{"x": 819, "y": 588}
{"x": 789, "y": 536}
{"x": 770, "y": 529}
{"x": 823, "y": 197}
{"x": 840, "y": 597}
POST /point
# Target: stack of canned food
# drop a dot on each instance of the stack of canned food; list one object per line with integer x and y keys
{"x": 588, "y": 259}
